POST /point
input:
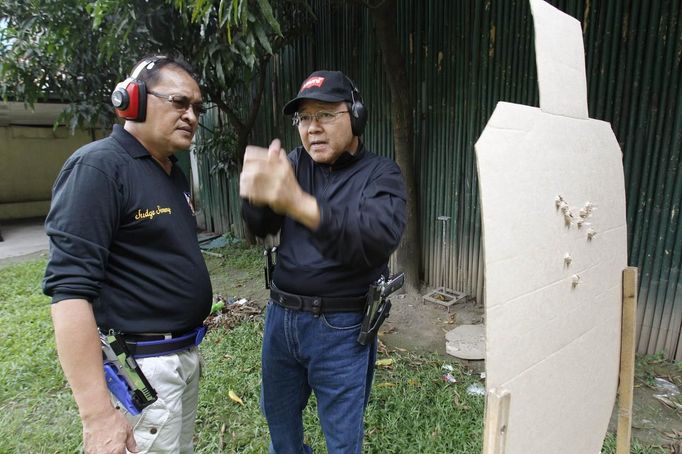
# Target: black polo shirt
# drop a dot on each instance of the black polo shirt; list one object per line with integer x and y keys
{"x": 362, "y": 203}
{"x": 123, "y": 236}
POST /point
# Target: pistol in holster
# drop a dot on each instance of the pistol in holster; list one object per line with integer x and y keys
{"x": 378, "y": 306}
{"x": 270, "y": 255}
{"x": 123, "y": 375}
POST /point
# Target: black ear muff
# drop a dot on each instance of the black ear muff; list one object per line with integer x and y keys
{"x": 129, "y": 98}
{"x": 358, "y": 112}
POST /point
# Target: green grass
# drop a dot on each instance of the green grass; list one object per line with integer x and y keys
{"x": 412, "y": 410}
{"x": 237, "y": 256}
{"x": 635, "y": 447}
{"x": 37, "y": 412}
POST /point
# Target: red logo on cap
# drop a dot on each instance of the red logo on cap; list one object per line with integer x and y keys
{"x": 312, "y": 82}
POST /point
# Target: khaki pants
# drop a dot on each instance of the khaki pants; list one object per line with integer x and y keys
{"x": 167, "y": 425}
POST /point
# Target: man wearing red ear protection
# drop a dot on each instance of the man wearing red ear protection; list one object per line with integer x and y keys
{"x": 125, "y": 262}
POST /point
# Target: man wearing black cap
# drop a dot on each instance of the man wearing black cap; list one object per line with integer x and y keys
{"x": 340, "y": 211}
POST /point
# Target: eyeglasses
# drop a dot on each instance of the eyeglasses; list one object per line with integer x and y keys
{"x": 323, "y": 117}
{"x": 181, "y": 103}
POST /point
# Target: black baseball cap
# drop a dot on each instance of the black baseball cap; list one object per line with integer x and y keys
{"x": 326, "y": 86}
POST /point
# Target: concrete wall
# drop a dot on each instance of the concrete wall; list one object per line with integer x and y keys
{"x": 31, "y": 155}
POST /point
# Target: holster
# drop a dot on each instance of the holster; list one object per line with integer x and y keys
{"x": 378, "y": 306}
{"x": 123, "y": 375}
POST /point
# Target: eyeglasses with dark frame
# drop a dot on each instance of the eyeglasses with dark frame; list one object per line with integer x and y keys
{"x": 322, "y": 117}
{"x": 181, "y": 103}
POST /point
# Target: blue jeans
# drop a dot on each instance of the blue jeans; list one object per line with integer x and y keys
{"x": 303, "y": 353}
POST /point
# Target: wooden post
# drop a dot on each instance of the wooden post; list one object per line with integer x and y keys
{"x": 496, "y": 420}
{"x": 627, "y": 360}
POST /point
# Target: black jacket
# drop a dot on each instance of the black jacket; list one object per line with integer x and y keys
{"x": 362, "y": 216}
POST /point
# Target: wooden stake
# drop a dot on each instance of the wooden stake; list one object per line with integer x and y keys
{"x": 212, "y": 254}
{"x": 627, "y": 360}
{"x": 496, "y": 420}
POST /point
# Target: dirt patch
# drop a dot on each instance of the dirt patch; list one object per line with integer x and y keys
{"x": 653, "y": 422}
{"x": 420, "y": 326}
{"x": 412, "y": 325}
{"x": 656, "y": 408}
{"x": 233, "y": 314}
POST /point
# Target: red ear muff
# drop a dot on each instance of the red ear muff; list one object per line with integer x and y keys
{"x": 119, "y": 97}
{"x": 130, "y": 100}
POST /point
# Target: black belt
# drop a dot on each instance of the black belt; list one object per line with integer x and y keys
{"x": 317, "y": 304}
{"x": 145, "y": 345}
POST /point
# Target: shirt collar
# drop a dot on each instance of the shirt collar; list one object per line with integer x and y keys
{"x": 131, "y": 145}
{"x": 347, "y": 159}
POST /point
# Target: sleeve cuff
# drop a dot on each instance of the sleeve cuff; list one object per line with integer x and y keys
{"x": 57, "y": 297}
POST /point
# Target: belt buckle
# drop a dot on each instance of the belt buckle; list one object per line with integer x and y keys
{"x": 317, "y": 306}
{"x": 147, "y": 337}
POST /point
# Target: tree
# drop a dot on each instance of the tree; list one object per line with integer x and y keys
{"x": 76, "y": 51}
{"x": 49, "y": 52}
{"x": 230, "y": 43}
{"x": 383, "y": 14}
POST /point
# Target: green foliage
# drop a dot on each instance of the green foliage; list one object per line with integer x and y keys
{"x": 77, "y": 50}
{"x": 49, "y": 51}
{"x": 236, "y": 41}
{"x": 646, "y": 368}
{"x": 218, "y": 142}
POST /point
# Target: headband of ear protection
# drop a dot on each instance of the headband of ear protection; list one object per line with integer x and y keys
{"x": 358, "y": 111}
{"x": 130, "y": 96}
